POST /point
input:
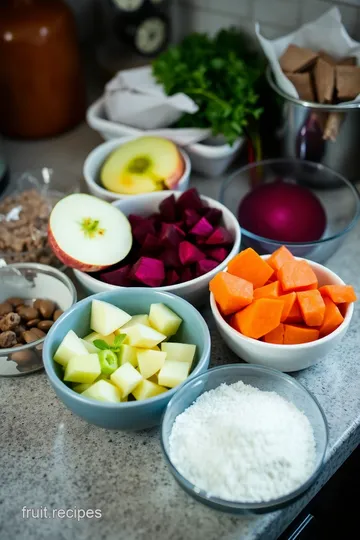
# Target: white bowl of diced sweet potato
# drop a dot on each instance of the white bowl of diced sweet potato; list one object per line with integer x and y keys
{"x": 288, "y": 315}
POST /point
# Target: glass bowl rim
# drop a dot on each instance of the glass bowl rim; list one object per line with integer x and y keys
{"x": 238, "y": 505}
{"x": 293, "y": 161}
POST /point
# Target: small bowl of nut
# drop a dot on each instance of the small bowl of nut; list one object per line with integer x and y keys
{"x": 32, "y": 297}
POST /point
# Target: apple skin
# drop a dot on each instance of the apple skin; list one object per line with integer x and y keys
{"x": 174, "y": 179}
{"x": 70, "y": 261}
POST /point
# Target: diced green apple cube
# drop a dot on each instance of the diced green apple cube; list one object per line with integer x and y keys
{"x": 126, "y": 378}
{"x": 90, "y": 347}
{"x": 127, "y": 353}
{"x": 173, "y": 373}
{"x": 150, "y": 362}
{"x": 80, "y": 388}
{"x": 147, "y": 389}
{"x": 181, "y": 352}
{"x": 70, "y": 346}
{"x": 106, "y": 318}
{"x": 164, "y": 320}
{"x": 109, "y": 339}
{"x": 83, "y": 368}
{"x": 103, "y": 391}
{"x": 135, "y": 319}
{"x": 144, "y": 336}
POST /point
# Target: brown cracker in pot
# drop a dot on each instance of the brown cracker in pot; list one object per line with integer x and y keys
{"x": 347, "y": 61}
{"x": 303, "y": 85}
{"x": 324, "y": 77}
{"x": 297, "y": 59}
{"x": 328, "y": 58}
{"x": 347, "y": 82}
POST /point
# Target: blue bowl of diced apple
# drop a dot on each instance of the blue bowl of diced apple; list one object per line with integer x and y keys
{"x": 116, "y": 358}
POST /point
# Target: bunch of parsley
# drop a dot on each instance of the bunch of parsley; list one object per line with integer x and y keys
{"x": 220, "y": 74}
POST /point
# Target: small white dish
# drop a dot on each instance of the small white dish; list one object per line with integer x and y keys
{"x": 195, "y": 290}
{"x": 285, "y": 358}
{"x": 98, "y": 155}
{"x": 206, "y": 159}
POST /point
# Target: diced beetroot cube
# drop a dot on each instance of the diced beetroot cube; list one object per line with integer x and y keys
{"x": 148, "y": 271}
{"x": 168, "y": 209}
{"x": 189, "y": 253}
{"x": 186, "y": 275}
{"x": 135, "y": 220}
{"x": 219, "y": 253}
{"x": 117, "y": 277}
{"x": 205, "y": 266}
{"x": 190, "y": 217}
{"x": 190, "y": 199}
{"x": 170, "y": 235}
{"x": 141, "y": 230}
{"x": 213, "y": 215}
{"x": 156, "y": 220}
{"x": 220, "y": 236}
{"x": 170, "y": 258}
{"x": 172, "y": 277}
{"x": 150, "y": 244}
{"x": 202, "y": 228}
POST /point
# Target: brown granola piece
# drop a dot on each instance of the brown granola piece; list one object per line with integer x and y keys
{"x": 303, "y": 85}
{"x": 324, "y": 76}
{"x": 296, "y": 59}
{"x": 347, "y": 82}
{"x": 328, "y": 58}
{"x": 9, "y": 322}
{"x": 7, "y": 339}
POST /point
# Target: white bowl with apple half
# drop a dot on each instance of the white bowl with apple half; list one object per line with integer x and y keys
{"x": 195, "y": 290}
{"x": 93, "y": 165}
{"x": 286, "y": 358}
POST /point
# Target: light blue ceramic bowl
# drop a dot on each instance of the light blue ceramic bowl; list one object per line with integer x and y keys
{"x": 133, "y": 415}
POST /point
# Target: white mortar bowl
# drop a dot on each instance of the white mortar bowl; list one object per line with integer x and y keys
{"x": 194, "y": 291}
{"x": 96, "y": 159}
{"x": 285, "y": 358}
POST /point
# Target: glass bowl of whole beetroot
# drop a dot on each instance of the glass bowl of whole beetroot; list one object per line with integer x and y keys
{"x": 180, "y": 241}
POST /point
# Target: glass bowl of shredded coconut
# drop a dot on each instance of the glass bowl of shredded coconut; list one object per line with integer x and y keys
{"x": 243, "y": 438}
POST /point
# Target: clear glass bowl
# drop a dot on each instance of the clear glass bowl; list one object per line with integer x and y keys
{"x": 52, "y": 186}
{"x": 266, "y": 379}
{"x": 340, "y": 200}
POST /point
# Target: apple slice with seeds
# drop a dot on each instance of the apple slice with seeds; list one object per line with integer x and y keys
{"x": 87, "y": 233}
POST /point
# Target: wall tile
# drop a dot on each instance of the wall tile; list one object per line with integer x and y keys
{"x": 278, "y": 12}
{"x": 238, "y": 7}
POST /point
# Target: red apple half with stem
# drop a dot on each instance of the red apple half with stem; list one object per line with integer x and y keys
{"x": 87, "y": 233}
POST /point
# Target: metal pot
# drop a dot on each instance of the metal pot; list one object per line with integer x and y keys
{"x": 327, "y": 134}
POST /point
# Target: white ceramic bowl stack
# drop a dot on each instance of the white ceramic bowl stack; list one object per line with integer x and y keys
{"x": 284, "y": 357}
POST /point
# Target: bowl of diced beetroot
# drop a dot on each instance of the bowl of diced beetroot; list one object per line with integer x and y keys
{"x": 180, "y": 241}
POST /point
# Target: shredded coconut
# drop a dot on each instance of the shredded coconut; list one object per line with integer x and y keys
{"x": 239, "y": 443}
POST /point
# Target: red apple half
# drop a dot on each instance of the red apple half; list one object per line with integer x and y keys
{"x": 87, "y": 233}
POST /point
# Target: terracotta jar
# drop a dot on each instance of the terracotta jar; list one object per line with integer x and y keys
{"x": 41, "y": 84}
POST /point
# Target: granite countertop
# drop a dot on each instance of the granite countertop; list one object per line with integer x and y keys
{"x": 51, "y": 458}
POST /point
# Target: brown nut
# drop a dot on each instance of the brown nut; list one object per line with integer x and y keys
{"x": 7, "y": 339}
{"x": 15, "y": 302}
{"x": 9, "y": 322}
{"x": 5, "y": 308}
{"x": 38, "y": 332}
{"x": 28, "y": 313}
{"x": 30, "y": 336}
{"x": 46, "y": 308}
{"x": 33, "y": 322}
{"x": 57, "y": 314}
{"x": 23, "y": 357}
{"x": 45, "y": 325}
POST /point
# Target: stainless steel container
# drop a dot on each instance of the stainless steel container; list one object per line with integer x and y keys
{"x": 327, "y": 134}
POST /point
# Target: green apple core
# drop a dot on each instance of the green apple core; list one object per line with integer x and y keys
{"x": 91, "y": 227}
{"x": 139, "y": 165}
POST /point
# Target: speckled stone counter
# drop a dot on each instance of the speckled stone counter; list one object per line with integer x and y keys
{"x": 50, "y": 458}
